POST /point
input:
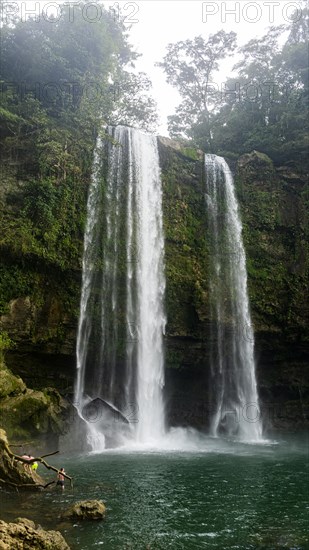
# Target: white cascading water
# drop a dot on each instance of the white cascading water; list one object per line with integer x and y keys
{"x": 235, "y": 399}
{"x": 150, "y": 286}
{"x": 122, "y": 295}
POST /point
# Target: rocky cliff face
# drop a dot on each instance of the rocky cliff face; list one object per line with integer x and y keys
{"x": 275, "y": 225}
{"x": 39, "y": 295}
{"x": 274, "y": 204}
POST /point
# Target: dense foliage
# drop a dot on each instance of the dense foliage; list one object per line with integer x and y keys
{"x": 61, "y": 79}
{"x": 264, "y": 106}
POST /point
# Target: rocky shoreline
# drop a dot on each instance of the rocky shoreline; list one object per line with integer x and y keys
{"x": 23, "y": 534}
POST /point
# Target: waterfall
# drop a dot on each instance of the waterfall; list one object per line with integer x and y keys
{"x": 120, "y": 359}
{"x": 150, "y": 286}
{"x": 234, "y": 389}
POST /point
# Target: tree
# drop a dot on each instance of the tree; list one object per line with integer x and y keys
{"x": 250, "y": 99}
{"x": 133, "y": 105}
{"x": 264, "y": 106}
{"x": 268, "y": 110}
{"x": 190, "y": 66}
{"x": 67, "y": 72}
{"x": 61, "y": 81}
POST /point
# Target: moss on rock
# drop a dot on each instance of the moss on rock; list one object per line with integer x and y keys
{"x": 25, "y": 413}
{"x": 10, "y": 385}
{"x": 185, "y": 240}
{"x": 275, "y": 232}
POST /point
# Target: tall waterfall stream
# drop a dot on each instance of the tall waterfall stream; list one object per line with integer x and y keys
{"x": 122, "y": 295}
{"x": 234, "y": 386}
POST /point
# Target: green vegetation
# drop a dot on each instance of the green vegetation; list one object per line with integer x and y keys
{"x": 190, "y": 66}
{"x": 6, "y": 343}
{"x": 185, "y": 249}
{"x": 263, "y": 107}
{"x": 275, "y": 234}
{"x": 60, "y": 85}
{"x": 275, "y": 230}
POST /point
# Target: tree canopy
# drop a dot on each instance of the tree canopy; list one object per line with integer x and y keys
{"x": 62, "y": 79}
{"x": 190, "y": 66}
{"x": 264, "y": 106}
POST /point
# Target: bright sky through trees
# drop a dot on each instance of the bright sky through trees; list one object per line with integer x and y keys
{"x": 153, "y": 24}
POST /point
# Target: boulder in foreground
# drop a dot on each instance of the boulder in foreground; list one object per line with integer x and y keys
{"x": 86, "y": 509}
{"x": 25, "y": 535}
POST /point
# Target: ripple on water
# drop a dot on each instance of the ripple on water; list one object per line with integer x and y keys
{"x": 173, "y": 500}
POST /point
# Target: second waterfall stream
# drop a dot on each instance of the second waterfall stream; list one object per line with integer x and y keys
{"x": 235, "y": 402}
{"x": 121, "y": 311}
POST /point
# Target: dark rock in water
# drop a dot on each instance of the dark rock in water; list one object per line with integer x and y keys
{"x": 108, "y": 421}
{"x": 25, "y": 535}
{"x": 93, "y": 411}
{"x": 86, "y": 509}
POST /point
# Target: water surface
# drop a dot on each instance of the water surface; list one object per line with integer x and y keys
{"x": 222, "y": 495}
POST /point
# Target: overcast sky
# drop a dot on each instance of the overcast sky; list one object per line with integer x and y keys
{"x": 153, "y": 24}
